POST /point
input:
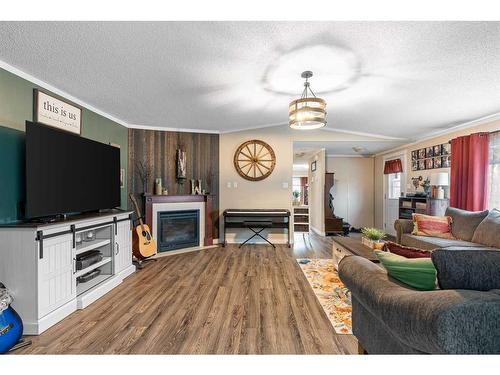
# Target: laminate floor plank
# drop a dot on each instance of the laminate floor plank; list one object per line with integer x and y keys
{"x": 253, "y": 300}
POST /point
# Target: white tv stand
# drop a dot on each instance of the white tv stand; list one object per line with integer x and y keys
{"x": 38, "y": 265}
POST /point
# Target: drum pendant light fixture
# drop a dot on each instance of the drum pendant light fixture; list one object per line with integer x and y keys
{"x": 308, "y": 112}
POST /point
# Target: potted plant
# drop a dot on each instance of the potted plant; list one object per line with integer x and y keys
{"x": 296, "y": 195}
{"x": 372, "y": 238}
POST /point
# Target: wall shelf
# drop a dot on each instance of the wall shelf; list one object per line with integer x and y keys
{"x": 301, "y": 219}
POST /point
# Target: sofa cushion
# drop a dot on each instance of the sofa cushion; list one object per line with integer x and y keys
{"x": 431, "y": 243}
{"x": 467, "y": 269}
{"x": 435, "y": 226}
{"x": 465, "y": 222}
{"x": 418, "y": 273}
{"x": 406, "y": 251}
{"x": 488, "y": 231}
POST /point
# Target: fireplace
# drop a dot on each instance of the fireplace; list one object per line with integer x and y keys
{"x": 178, "y": 230}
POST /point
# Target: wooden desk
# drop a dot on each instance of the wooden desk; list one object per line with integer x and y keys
{"x": 343, "y": 246}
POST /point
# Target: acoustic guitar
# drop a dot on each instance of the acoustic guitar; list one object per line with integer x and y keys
{"x": 143, "y": 243}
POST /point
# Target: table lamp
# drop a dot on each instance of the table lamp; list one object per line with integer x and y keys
{"x": 440, "y": 179}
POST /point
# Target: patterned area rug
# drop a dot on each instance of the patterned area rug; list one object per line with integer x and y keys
{"x": 330, "y": 291}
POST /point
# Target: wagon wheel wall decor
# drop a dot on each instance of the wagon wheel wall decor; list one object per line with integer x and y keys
{"x": 254, "y": 160}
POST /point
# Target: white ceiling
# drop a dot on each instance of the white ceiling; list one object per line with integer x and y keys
{"x": 304, "y": 150}
{"x": 398, "y": 79}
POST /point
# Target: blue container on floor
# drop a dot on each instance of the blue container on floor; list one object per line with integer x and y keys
{"x": 11, "y": 329}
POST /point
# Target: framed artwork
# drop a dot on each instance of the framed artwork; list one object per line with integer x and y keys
{"x": 421, "y": 165}
{"x": 54, "y": 112}
{"x": 437, "y": 150}
{"x": 429, "y": 152}
{"x": 313, "y": 166}
{"x": 446, "y": 161}
{"x": 429, "y": 164}
{"x": 445, "y": 149}
{"x": 414, "y": 155}
{"x": 414, "y": 165}
{"x": 437, "y": 162}
{"x": 421, "y": 153}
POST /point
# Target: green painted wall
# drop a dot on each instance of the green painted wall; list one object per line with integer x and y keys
{"x": 16, "y": 106}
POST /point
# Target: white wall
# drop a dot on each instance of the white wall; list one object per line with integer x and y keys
{"x": 353, "y": 189}
{"x": 268, "y": 193}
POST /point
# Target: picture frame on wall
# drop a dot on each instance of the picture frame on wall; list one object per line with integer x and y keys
{"x": 421, "y": 165}
{"x": 445, "y": 149}
{"x": 437, "y": 150}
{"x": 414, "y": 165}
{"x": 60, "y": 114}
{"x": 429, "y": 164}
{"x": 429, "y": 152}
{"x": 421, "y": 153}
{"x": 414, "y": 155}
{"x": 437, "y": 162}
{"x": 313, "y": 166}
{"x": 446, "y": 161}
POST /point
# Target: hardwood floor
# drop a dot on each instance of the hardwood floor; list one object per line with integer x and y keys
{"x": 253, "y": 300}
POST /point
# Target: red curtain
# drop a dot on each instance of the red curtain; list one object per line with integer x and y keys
{"x": 469, "y": 172}
{"x": 393, "y": 166}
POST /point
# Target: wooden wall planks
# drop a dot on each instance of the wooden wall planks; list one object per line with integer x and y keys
{"x": 159, "y": 149}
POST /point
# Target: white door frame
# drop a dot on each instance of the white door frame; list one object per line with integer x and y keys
{"x": 402, "y": 154}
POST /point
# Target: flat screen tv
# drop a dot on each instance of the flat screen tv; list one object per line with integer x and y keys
{"x": 66, "y": 173}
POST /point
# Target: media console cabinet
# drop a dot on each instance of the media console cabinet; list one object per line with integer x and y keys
{"x": 43, "y": 266}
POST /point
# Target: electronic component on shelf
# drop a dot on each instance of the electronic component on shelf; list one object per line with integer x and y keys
{"x": 88, "y": 258}
{"x": 89, "y": 276}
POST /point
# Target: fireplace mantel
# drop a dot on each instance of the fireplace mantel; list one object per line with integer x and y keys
{"x": 150, "y": 200}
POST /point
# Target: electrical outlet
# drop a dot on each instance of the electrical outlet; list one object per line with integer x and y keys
{"x": 285, "y": 185}
{"x": 235, "y": 184}
{"x": 229, "y": 185}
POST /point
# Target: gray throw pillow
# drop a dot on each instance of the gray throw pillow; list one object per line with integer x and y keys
{"x": 467, "y": 269}
{"x": 488, "y": 231}
{"x": 465, "y": 222}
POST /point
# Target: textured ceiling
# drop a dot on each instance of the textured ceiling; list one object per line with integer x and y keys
{"x": 399, "y": 79}
{"x": 303, "y": 150}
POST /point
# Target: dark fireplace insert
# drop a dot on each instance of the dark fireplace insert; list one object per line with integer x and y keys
{"x": 178, "y": 230}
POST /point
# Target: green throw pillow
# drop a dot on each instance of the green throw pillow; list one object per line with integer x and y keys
{"x": 419, "y": 273}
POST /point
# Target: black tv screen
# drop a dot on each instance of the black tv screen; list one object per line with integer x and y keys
{"x": 66, "y": 173}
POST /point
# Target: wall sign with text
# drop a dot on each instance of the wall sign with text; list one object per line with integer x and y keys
{"x": 57, "y": 113}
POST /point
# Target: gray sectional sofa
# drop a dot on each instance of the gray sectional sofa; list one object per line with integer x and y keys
{"x": 465, "y": 228}
{"x": 389, "y": 317}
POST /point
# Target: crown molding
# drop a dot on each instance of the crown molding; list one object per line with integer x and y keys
{"x": 349, "y": 156}
{"x": 59, "y": 92}
{"x": 181, "y": 130}
{"x": 371, "y": 135}
{"x": 468, "y": 124}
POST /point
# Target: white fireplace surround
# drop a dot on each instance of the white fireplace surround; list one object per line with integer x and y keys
{"x": 179, "y": 206}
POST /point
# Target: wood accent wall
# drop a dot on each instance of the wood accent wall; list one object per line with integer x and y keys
{"x": 159, "y": 148}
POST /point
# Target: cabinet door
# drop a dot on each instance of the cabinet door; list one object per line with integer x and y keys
{"x": 123, "y": 246}
{"x": 56, "y": 284}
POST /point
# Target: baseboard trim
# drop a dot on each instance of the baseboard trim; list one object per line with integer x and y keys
{"x": 50, "y": 319}
{"x": 317, "y": 231}
{"x": 183, "y": 251}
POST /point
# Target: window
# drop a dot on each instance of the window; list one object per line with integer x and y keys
{"x": 394, "y": 185}
{"x": 494, "y": 198}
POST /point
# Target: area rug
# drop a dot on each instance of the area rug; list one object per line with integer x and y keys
{"x": 333, "y": 296}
